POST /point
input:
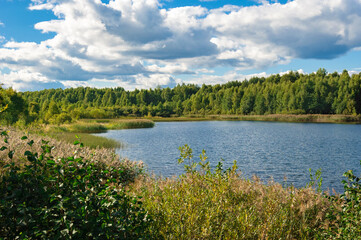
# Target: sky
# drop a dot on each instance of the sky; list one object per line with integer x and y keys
{"x": 151, "y": 43}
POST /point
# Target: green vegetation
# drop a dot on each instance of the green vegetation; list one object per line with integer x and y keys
{"x": 50, "y": 189}
{"x": 89, "y": 140}
{"x": 131, "y": 124}
{"x": 83, "y": 128}
{"x": 292, "y": 93}
{"x": 54, "y": 190}
{"x": 317, "y": 118}
{"x": 220, "y": 204}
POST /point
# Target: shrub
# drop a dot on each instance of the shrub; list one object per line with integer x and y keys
{"x": 344, "y": 221}
{"x": 66, "y": 198}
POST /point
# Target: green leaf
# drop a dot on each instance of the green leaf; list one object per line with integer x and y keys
{"x": 11, "y": 154}
{"x": 76, "y": 142}
{"x": 31, "y": 143}
{"x": 51, "y": 162}
{"x": 28, "y": 153}
{"x": 24, "y": 137}
{"x": 3, "y": 148}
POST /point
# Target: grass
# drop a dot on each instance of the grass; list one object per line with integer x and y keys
{"x": 315, "y": 118}
{"x": 62, "y": 148}
{"x": 84, "y": 128}
{"x": 130, "y": 124}
{"x": 89, "y": 140}
{"x": 202, "y": 203}
{"x": 220, "y": 204}
{"x": 50, "y": 190}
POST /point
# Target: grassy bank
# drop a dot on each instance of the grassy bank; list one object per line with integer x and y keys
{"x": 84, "y": 128}
{"x": 305, "y": 118}
{"x": 62, "y": 191}
{"x": 98, "y": 195}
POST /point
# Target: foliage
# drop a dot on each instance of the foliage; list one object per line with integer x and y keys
{"x": 66, "y": 198}
{"x": 343, "y": 222}
{"x": 291, "y": 93}
{"x": 15, "y": 105}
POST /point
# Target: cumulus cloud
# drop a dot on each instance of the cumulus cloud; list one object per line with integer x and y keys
{"x": 137, "y": 43}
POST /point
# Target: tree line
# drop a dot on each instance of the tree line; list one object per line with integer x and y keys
{"x": 291, "y": 93}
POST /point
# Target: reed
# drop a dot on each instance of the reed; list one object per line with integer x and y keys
{"x": 89, "y": 140}
{"x": 86, "y": 128}
{"x": 61, "y": 148}
{"x": 130, "y": 124}
{"x": 220, "y": 204}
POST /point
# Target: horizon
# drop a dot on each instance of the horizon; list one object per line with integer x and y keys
{"x": 148, "y": 43}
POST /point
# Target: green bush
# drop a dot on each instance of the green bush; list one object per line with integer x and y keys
{"x": 67, "y": 198}
{"x": 344, "y": 221}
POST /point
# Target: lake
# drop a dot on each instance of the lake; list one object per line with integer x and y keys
{"x": 271, "y": 150}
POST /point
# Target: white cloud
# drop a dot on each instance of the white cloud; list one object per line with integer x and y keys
{"x": 137, "y": 43}
{"x": 24, "y": 81}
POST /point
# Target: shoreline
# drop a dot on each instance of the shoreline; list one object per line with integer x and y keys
{"x": 303, "y": 118}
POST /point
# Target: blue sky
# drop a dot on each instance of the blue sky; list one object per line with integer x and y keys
{"x": 150, "y": 43}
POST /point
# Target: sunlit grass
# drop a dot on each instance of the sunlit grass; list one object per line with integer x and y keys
{"x": 130, "y": 124}
{"x": 219, "y": 204}
{"x": 89, "y": 140}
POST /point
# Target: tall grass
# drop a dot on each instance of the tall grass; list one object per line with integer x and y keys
{"x": 86, "y": 128}
{"x": 130, "y": 124}
{"x": 63, "y": 149}
{"x": 45, "y": 196}
{"x": 89, "y": 140}
{"x": 220, "y": 204}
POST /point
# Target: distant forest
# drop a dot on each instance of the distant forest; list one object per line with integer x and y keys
{"x": 291, "y": 93}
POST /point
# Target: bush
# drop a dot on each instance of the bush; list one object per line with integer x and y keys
{"x": 344, "y": 220}
{"x": 67, "y": 198}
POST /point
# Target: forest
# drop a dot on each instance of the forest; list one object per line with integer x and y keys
{"x": 291, "y": 93}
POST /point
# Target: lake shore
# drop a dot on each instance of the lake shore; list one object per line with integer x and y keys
{"x": 304, "y": 118}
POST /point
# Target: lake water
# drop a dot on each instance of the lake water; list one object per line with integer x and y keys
{"x": 266, "y": 149}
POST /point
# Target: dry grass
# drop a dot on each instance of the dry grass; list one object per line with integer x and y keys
{"x": 60, "y": 149}
{"x": 207, "y": 206}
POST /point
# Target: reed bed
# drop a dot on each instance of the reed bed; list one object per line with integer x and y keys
{"x": 228, "y": 207}
{"x": 89, "y": 140}
{"x": 62, "y": 149}
{"x": 304, "y": 118}
{"x": 130, "y": 124}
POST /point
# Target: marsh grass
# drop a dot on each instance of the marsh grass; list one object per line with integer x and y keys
{"x": 89, "y": 140}
{"x": 84, "y": 128}
{"x": 61, "y": 148}
{"x": 130, "y": 124}
{"x": 220, "y": 204}
{"x": 304, "y": 118}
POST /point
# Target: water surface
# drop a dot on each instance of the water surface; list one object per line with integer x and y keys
{"x": 266, "y": 149}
